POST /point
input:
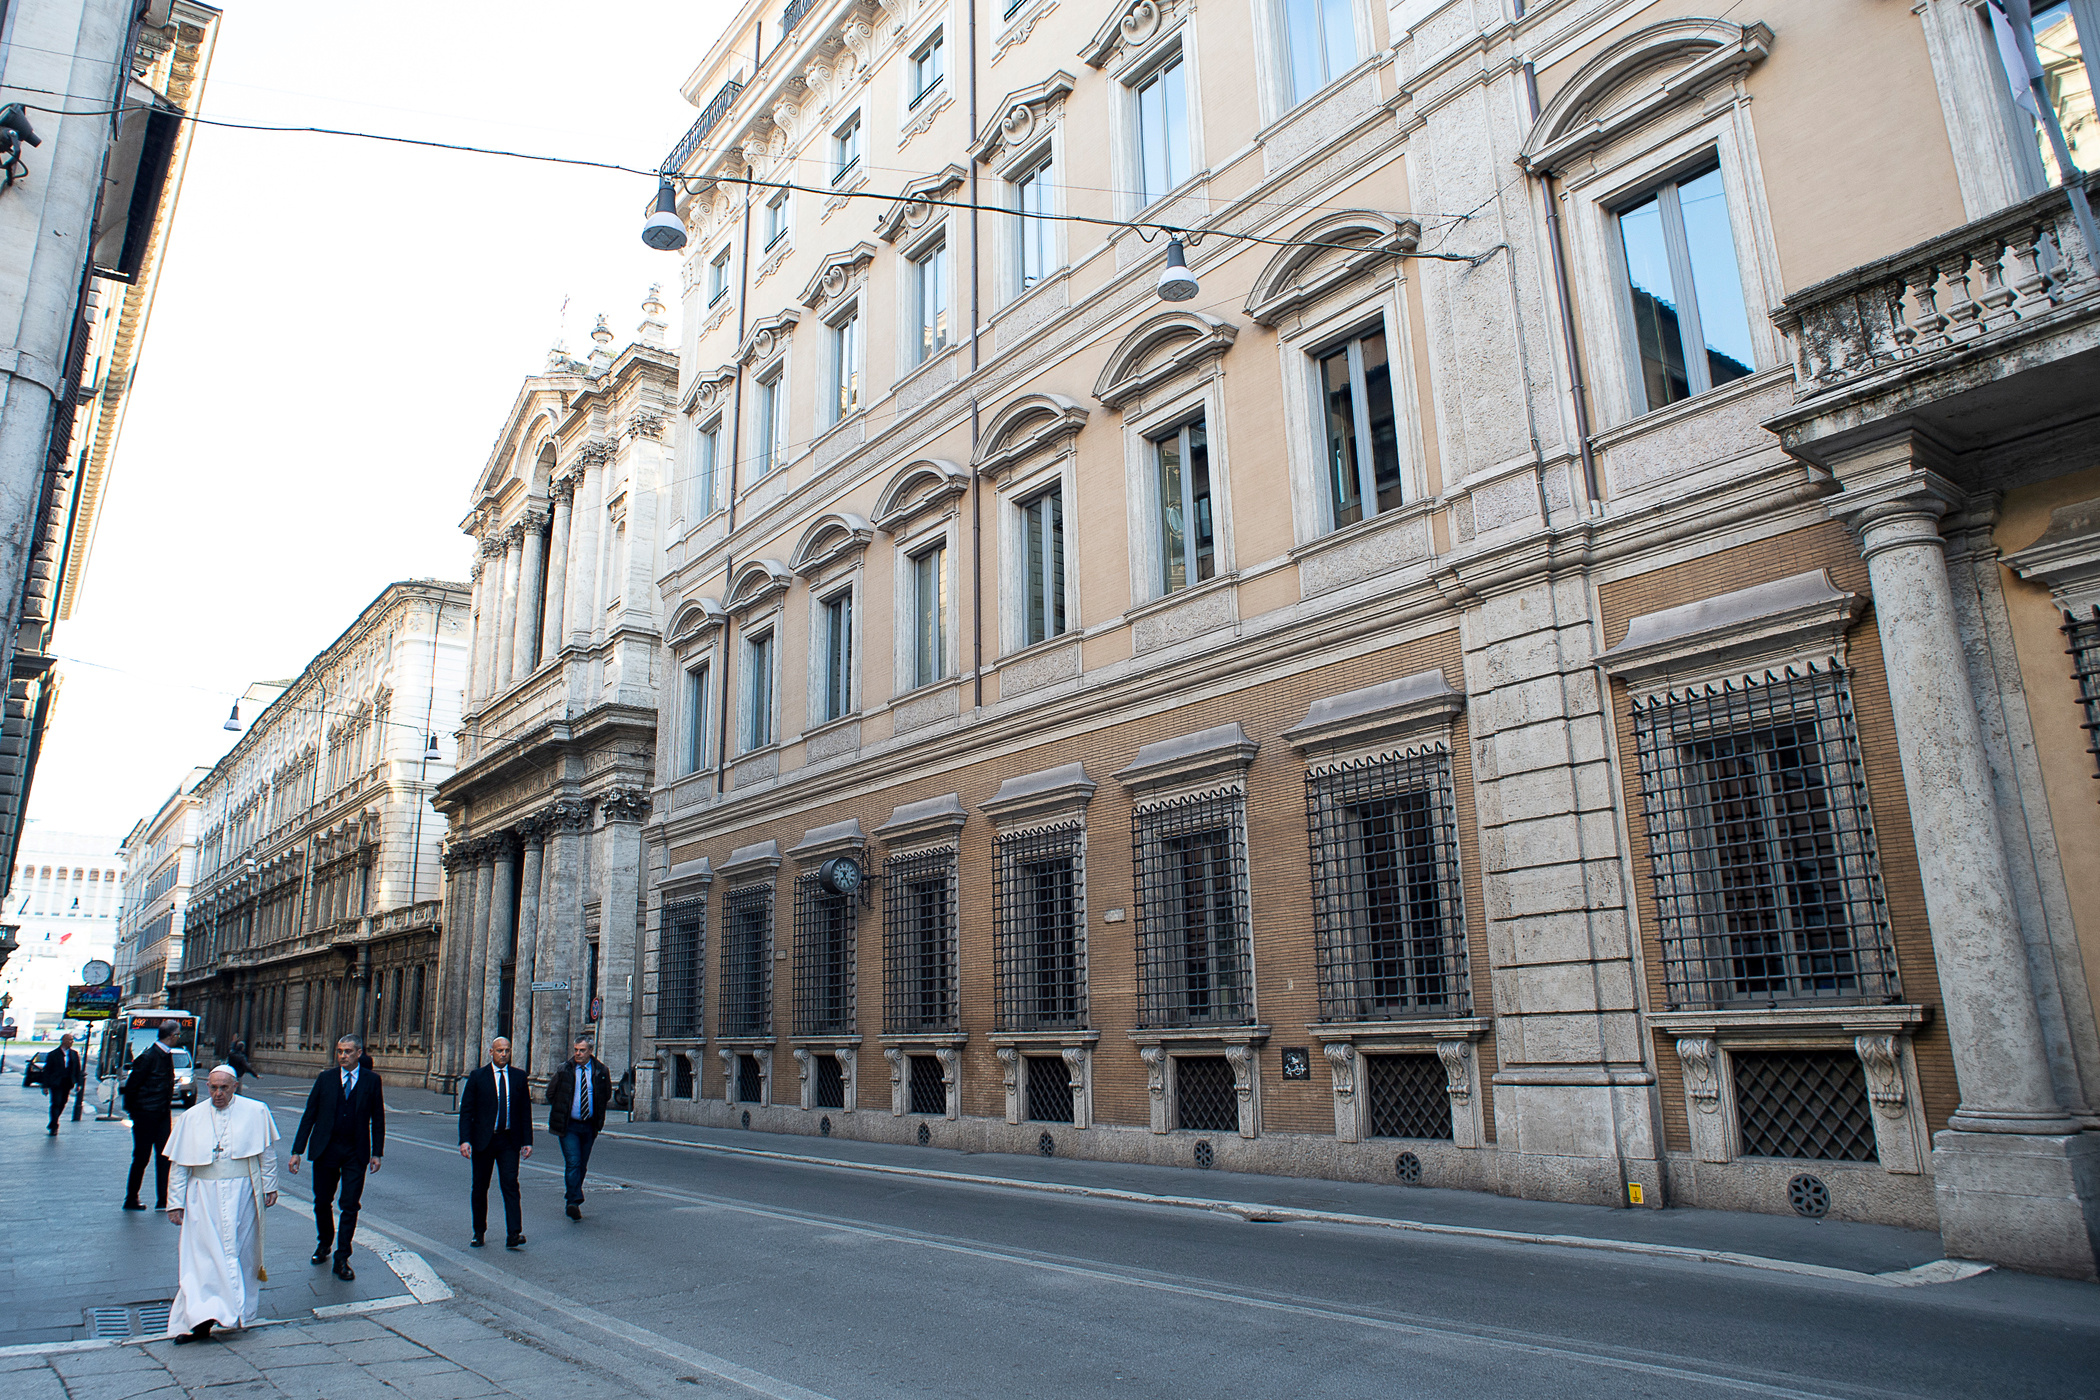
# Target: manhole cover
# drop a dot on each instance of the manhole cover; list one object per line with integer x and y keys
{"x": 1808, "y": 1196}
{"x": 824, "y": 1125}
{"x": 1408, "y": 1167}
{"x": 925, "y": 1135}
{"x": 1047, "y": 1145}
{"x": 1204, "y": 1155}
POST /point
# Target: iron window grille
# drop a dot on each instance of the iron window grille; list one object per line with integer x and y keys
{"x": 1049, "y": 1089}
{"x": 831, "y": 1082}
{"x": 825, "y": 925}
{"x": 748, "y": 1082}
{"x": 681, "y": 1077}
{"x": 919, "y": 964}
{"x": 1040, "y": 952}
{"x": 747, "y": 962}
{"x": 1194, "y": 951}
{"x": 1803, "y": 1103}
{"x": 929, "y": 1088}
{"x": 1409, "y": 1096}
{"x": 2084, "y": 652}
{"x": 1206, "y": 1099}
{"x": 679, "y": 977}
{"x": 1767, "y": 882}
{"x": 1388, "y": 903}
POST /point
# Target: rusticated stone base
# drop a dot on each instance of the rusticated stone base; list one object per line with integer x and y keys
{"x": 2028, "y": 1202}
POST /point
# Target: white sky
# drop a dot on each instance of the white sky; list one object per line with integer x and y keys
{"x": 340, "y": 328}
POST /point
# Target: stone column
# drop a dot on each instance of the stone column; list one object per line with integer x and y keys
{"x": 470, "y": 980}
{"x": 532, "y": 834}
{"x": 552, "y": 634}
{"x": 503, "y": 934}
{"x": 488, "y": 609}
{"x": 2008, "y": 1169}
{"x": 560, "y": 933}
{"x": 579, "y": 613}
{"x": 507, "y": 605}
{"x": 525, "y": 647}
{"x": 478, "y": 578}
{"x": 620, "y": 906}
{"x": 448, "y": 1030}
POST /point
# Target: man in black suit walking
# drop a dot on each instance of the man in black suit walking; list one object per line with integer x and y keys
{"x": 345, "y": 1124}
{"x": 495, "y": 1130}
{"x": 62, "y": 1070}
{"x": 149, "y": 1094}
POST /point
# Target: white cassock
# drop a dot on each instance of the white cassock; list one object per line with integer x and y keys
{"x": 225, "y": 1164}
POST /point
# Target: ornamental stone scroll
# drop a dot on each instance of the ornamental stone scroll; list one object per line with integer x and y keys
{"x": 1246, "y": 1085}
{"x": 1155, "y": 1058}
{"x": 728, "y": 1059}
{"x": 1348, "y": 1113}
{"x": 802, "y": 1068}
{"x": 1896, "y": 1135}
{"x": 895, "y": 1055}
{"x": 1712, "y": 1131}
{"x": 1009, "y": 1077}
{"x": 950, "y": 1057}
{"x": 1459, "y": 1069}
{"x": 849, "y": 1077}
{"x": 1079, "y": 1063}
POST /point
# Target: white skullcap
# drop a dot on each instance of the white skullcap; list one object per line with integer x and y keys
{"x": 236, "y": 1074}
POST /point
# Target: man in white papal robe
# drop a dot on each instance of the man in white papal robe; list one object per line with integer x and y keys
{"x": 224, "y": 1173}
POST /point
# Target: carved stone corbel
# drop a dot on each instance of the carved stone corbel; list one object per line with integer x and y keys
{"x": 951, "y": 1078}
{"x": 895, "y": 1055}
{"x": 1246, "y": 1084}
{"x": 1713, "y": 1135}
{"x": 1079, "y": 1063}
{"x": 1009, "y": 1076}
{"x": 1457, "y": 1058}
{"x": 728, "y": 1059}
{"x": 764, "y": 1056}
{"x": 1341, "y": 1064}
{"x": 849, "y": 1077}
{"x": 802, "y": 1067}
{"x": 1155, "y": 1058}
{"x": 1896, "y": 1135}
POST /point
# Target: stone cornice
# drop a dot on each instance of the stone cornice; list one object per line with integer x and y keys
{"x": 1788, "y": 622}
{"x": 1412, "y": 707}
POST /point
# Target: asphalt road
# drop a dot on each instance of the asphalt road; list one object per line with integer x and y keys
{"x": 793, "y": 1280}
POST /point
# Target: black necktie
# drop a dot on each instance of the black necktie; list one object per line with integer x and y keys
{"x": 502, "y": 1100}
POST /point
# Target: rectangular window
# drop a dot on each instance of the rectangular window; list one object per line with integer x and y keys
{"x": 1363, "y": 431}
{"x": 1193, "y": 941}
{"x": 929, "y": 280}
{"x": 1321, "y": 38}
{"x": 693, "y": 752}
{"x": 1389, "y": 921}
{"x": 776, "y": 224}
{"x": 1049, "y": 1089}
{"x": 2084, "y": 651}
{"x": 929, "y": 589}
{"x": 758, "y": 692}
{"x": 929, "y": 1086}
{"x": 678, "y": 986}
{"x": 844, "y": 399}
{"x": 1040, "y": 932}
{"x": 825, "y": 925}
{"x": 748, "y": 1083}
{"x": 707, "y": 456}
{"x": 919, "y": 993}
{"x": 772, "y": 423}
{"x": 1407, "y": 1096}
{"x": 747, "y": 963}
{"x": 1803, "y": 1103}
{"x": 1187, "y": 537}
{"x": 1038, "y": 233}
{"x": 1206, "y": 1095}
{"x": 718, "y": 277}
{"x": 927, "y": 68}
{"x": 1162, "y": 130}
{"x": 1684, "y": 290}
{"x": 1043, "y": 566}
{"x": 2068, "y": 81}
{"x": 1767, "y": 883}
{"x": 837, "y": 639}
{"x": 845, "y": 150}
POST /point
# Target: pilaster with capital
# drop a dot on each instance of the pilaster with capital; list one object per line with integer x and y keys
{"x": 525, "y": 646}
{"x": 507, "y": 607}
{"x": 553, "y": 632}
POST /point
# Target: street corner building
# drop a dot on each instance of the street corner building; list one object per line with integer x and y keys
{"x": 544, "y": 892}
{"x": 1563, "y": 670}
{"x": 314, "y": 907}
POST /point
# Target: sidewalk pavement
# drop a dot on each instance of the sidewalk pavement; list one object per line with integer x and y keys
{"x": 1791, "y": 1243}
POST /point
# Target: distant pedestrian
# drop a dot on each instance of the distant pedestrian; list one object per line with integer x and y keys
{"x": 149, "y": 1092}
{"x": 225, "y": 1175}
{"x": 238, "y": 1058}
{"x": 495, "y": 1130}
{"x": 345, "y": 1123}
{"x": 62, "y": 1071}
{"x": 577, "y": 1097}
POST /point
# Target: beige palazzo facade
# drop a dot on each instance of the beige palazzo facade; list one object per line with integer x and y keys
{"x": 1547, "y": 675}
{"x": 543, "y": 869}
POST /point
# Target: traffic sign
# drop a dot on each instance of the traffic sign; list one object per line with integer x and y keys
{"x": 550, "y": 986}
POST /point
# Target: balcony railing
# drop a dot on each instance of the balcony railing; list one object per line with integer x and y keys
{"x": 717, "y": 108}
{"x": 792, "y": 15}
{"x": 1985, "y": 281}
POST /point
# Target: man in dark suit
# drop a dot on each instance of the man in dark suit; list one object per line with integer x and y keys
{"x": 149, "y": 1094}
{"x": 62, "y": 1070}
{"x": 345, "y": 1124}
{"x": 495, "y": 1130}
{"x": 577, "y": 1097}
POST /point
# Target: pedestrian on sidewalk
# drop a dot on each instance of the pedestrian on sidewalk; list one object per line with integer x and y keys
{"x": 238, "y": 1058}
{"x": 345, "y": 1124}
{"x": 62, "y": 1071}
{"x": 225, "y": 1159}
{"x": 576, "y": 1101}
{"x": 149, "y": 1094}
{"x": 495, "y": 1130}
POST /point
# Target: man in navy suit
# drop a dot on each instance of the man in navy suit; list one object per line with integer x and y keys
{"x": 60, "y": 1073}
{"x": 345, "y": 1124}
{"x": 495, "y": 1130}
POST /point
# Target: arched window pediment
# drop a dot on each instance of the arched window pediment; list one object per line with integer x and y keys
{"x": 1031, "y": 424}
{"x": 1636, "y": 80}
{"x": 1326, "y": 254}
{"x": 917, "y": 488}
{"x": 757, "y": 583}
{"x": 909, "y": 211}
{"x": 1170, "y": 344}
{"x": 696, "y": 622}
{"x": 831, "y": 538}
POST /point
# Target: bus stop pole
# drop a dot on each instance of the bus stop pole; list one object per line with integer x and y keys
{"x": 87, "y": 1046}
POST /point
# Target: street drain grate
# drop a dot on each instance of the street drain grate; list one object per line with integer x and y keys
{"x": 925, "y": 1135}
{"x": 153, "y": 1318}
{"x": 128, "y": 1320}
{"x": 109, "y": 1322}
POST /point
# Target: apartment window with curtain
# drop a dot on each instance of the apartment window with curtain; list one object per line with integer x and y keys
{"x": 929, "y": 593}
{"x": 1187, "y": 532}
{"x": 845, "y": 150}
{"x": 1161, "y": 100}
{"x": 1684, "y": 289}
{"x": 836, "y": 633}
{"x": 844, "y": 399}
{"x": 1043, "y": 566}
{"x": 1034, "y": 201}
{"x": 758, "y": 691}
{"x": 929, "y": 281}
{"x": 927, "y": 67}
{"x": 1362, "y": 427}
{"x": 694, "y": 748}
{"x": 1320, "y": 37}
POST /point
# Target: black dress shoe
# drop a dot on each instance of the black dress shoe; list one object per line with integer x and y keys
{"x": 477, "y": 1240}
{"x": 343, "y": 1270}
{"x": 200, "y": 1333}
{"x": 321, "y": 1254}
{"x": 575, "y": 1211}
{"x": 133, "y": 1205}
{"x": 514, "y": 1241}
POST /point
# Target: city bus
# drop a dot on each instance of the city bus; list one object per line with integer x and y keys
{"x": 130, "y": 1031}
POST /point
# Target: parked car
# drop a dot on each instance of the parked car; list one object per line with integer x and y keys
{"x": 34, "y": 1070}
{"x": 185, "y": 1078}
